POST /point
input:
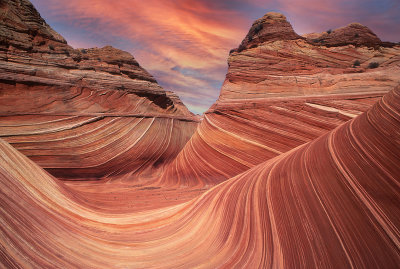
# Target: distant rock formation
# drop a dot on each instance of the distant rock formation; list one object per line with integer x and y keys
{"x": 82, "y": 113}
{"x": 271, "y": 27}
{"x": 296, "y": 165}
{"x": 290, "y": 65}
{"x": 353, "y": 34}
{"x": 281, "y": 91}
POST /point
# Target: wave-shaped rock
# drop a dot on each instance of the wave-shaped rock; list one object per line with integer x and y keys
{"x": 82, "y": 113}
{"x": 283, "y": 90}
{"x": 310, "y": 172}
{"x": 332, "y": 202}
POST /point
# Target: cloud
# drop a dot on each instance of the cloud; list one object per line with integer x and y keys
{"x": 185, "y": 43}
{"x": 320, "y": 15}
{"x": 194, "y": 35}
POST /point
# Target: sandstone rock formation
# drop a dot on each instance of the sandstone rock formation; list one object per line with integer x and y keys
{"x": 353, "y": 34}
{"x": 283, "y": 90}
{"x": 295, "y": 166}
{"x": 82, "y": 113}
{"x": 332, "y": 202}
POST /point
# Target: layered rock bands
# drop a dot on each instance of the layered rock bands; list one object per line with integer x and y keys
{"x": 295, "y": 166}
{"x": 281, "y": 91}
{"x": 82, "y": 113}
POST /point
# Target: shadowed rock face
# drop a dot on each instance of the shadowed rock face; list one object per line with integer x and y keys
{"x": 23, "y": 27}
{"x": 289, "y": 65}
{"x": 329, "y": 203}
{"x": 353, "y": 34}
{"x": 272, "y": 27}
{"x": 32, "y": 53}
{"x": 82, "y": 113}
{"x": 306, "y": 177}
{"x": 281, "y": 91}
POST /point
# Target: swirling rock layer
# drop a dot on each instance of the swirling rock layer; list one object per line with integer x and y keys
{"x": 86, "y": 113}
{"x": 85, "y": 147}
{"x": 237, "y": 136}
{"x": 283, "y": 90}
{"x": 329, "y": 203}
{"x": 296, "y": 166}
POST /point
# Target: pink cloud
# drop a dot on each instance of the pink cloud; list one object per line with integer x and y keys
{"x": 163, "y": 34}
{"x": 197, "y": 35}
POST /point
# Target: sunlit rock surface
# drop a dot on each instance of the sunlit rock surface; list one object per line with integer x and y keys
{"x": 283, "y": 90}
{"x": 332, "y": 202}
{"x": 82, "y": 113}
{"x": 295, "y": 166}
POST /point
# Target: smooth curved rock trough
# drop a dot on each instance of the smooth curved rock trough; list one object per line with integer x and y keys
{"x": 310, "y": 207}
{"x": 297, "y": 165}
{"x": 283, "y": 90}
{"x": 83, "y": 113}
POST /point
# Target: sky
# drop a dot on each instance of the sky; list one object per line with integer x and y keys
{"x": 184, "y": 44}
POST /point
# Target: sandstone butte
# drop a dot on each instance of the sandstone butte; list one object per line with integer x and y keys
{"x": 85, "y": 113}
{"x": 295, "y": 166}
{"x": 283, "y": 90}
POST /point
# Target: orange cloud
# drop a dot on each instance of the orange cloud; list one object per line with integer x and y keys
{"x": 163, "y": 34}
{"x": 185, "y": 43}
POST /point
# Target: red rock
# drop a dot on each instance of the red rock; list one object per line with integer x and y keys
{"x": 23, "y": 27}
{"x": 271, "y": 27}
{"x": 84, "y": 113}
{"x": 281, "y": 91}
{"x": 353, "y": 34}
{"x": 310, "y": 173}
{"x": 332, "y": 202}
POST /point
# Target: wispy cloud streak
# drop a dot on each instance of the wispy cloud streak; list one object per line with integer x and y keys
{"x": 185, "y": 43}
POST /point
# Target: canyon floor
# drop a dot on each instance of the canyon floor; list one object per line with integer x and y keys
{"x": 296, "y": 165}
